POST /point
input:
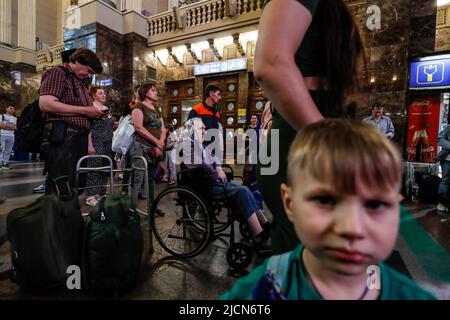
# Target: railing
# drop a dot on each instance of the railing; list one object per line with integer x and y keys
{"x": 49, "y": 57}
{"x": 201, "y": 13}
{"x": 443, "y": 17}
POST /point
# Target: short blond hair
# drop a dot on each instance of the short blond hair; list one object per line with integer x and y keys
{"x": 336, "y": 151}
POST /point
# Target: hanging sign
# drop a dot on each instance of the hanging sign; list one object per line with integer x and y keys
{"x": 220, "y": 66}
{"x": 430, "y": 73}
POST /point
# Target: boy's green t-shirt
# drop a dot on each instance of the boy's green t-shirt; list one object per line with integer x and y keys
{"x": 394, "y": 285}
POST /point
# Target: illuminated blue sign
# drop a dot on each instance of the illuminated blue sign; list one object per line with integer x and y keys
{"x": 430, "y": 73}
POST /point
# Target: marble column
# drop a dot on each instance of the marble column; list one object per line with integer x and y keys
{"x": 172, "y": 3}
{"x": 132, "y": 5}
{"x": 26, "y": 24}
{"x": 422, "y": 33}
{"x": 5, "y": 21}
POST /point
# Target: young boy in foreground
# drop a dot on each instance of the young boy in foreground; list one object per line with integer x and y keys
{"x": 342, "y": 195}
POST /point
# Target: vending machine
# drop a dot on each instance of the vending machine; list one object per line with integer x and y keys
{"x": 427, "y": 113}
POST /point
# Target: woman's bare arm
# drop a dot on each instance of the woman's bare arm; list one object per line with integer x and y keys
{"x": 282, "y": 27}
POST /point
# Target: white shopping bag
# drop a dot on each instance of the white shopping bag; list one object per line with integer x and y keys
{"x": 123, "y": 136}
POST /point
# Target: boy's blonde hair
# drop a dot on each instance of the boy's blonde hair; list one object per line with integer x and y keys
{"x": 337, "y": 151}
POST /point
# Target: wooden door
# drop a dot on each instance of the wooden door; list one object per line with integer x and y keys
{"x": 256, "y": 99}
{"x": 177, "y": 93}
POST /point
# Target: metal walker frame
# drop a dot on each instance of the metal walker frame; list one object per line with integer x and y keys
{"x": 110, "y": 169}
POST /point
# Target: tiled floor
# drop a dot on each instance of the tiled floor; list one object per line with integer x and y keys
{"x": 422, "y": 252}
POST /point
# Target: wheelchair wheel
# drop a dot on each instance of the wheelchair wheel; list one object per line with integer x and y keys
{"x": 245, "y": 230}
{"x": 239, "y": 255}
{"x": 221, "y": 220}
{"x": 186, "y": 227}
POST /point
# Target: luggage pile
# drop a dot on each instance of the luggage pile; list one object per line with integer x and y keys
{"x": 49, "y": 238}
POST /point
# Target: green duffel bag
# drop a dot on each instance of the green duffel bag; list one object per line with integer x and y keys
{"x": 113, "y": 246}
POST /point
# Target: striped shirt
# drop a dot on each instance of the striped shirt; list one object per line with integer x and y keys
{"x": 69, "y": 90}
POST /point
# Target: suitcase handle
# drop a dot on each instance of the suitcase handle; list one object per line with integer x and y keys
{"x": 63, "y": 182}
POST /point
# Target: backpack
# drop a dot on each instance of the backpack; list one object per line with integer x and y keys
{"x": 272, "y": 284}
{"x": 30, "y": 126}
{"x": 113, "y": 246}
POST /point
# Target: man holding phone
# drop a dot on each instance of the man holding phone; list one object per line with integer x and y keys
{"x": 70, "y": 112}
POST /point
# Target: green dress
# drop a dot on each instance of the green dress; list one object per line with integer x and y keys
{"x": 311, "y": 61}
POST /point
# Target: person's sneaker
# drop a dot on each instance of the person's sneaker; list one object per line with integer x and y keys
{"x": 263, "y": 245}
{"x": 266, "y": 227}
{"x": 39, "y": 189}
{"x": 6, "y": 166}
{"x": 261, "y": 241}
{"x": 441, "y": 207}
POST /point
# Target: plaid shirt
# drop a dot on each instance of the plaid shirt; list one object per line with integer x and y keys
{"x": 69, "y": 90}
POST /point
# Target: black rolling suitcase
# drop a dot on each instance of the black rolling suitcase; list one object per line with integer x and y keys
{"x": 46, "y": 238}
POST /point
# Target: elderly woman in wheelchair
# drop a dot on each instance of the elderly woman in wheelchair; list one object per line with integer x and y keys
{"x": 193, "y": 209}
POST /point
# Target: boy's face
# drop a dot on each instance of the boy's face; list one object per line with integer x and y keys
{"x": 10, "y": 110}
{"x": 345, "y": 232}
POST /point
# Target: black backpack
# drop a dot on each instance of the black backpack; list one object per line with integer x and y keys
{"x": 30, "y": 126}
{"x": 112, "y": 248}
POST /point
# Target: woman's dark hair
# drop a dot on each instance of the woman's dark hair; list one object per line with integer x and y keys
{"x": 143, "y": 89}
{"x": 344, "y": 50}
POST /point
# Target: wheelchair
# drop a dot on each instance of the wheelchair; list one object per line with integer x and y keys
{"x": 192, "y": 219}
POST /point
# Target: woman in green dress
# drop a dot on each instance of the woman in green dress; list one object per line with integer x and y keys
{"x": 305, "y": 73}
